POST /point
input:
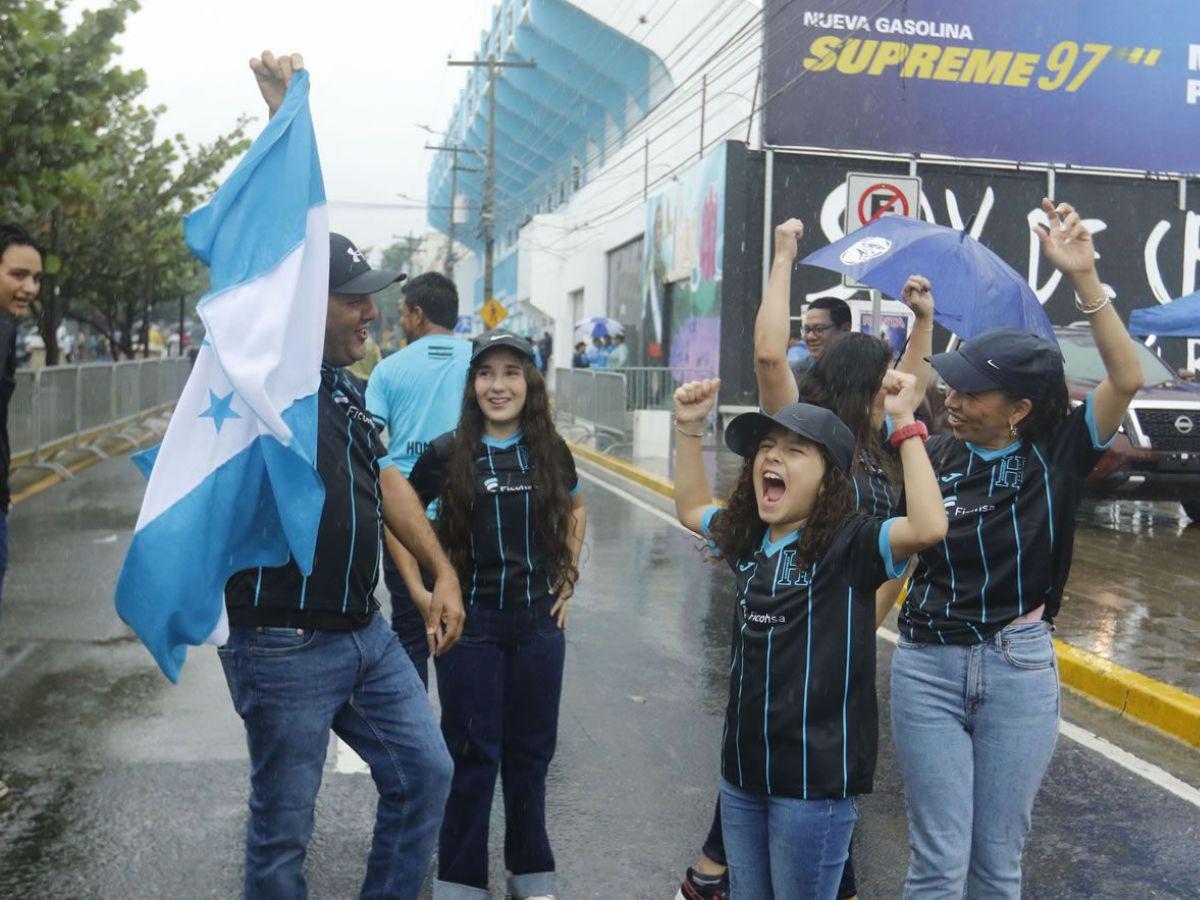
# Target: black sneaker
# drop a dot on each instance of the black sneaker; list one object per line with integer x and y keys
{"x": 690, "y": 890}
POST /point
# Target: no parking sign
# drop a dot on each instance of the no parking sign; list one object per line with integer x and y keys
{"x": 869, "y": 197}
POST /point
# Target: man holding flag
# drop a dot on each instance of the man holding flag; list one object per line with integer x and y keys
{"x": 272, "y": 487}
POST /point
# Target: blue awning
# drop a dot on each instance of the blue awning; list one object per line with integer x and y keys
{"x": 1179, "y": 318}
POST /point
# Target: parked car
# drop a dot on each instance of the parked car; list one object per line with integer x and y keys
{"x": 1156, "y": 454}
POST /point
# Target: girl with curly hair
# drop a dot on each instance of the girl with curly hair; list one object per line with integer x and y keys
{"x": 801, "y": 728}
{"x": 512, "y": 523}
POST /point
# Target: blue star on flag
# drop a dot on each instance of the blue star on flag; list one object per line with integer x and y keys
{"x": 219, "y": 409}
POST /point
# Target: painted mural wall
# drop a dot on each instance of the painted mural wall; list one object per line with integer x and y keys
{"x": 683, "y": 252}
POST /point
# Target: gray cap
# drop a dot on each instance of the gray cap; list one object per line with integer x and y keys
{"x": 817, "y": 424}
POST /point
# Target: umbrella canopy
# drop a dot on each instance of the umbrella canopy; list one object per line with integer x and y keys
{"x": 599, "y": 326}
{"x": 976, "y": 290}
{"x": 1179, "y": 318}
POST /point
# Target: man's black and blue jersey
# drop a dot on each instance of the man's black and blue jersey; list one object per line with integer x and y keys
{"x": 802, "y": 719}
{"x": 339, "y": 594}
{"x": 508, "y": 564}
{"x": 1011, "y": 532}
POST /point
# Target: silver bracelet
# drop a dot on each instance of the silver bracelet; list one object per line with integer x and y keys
{"x": 695, "y": 434}
{"x": 1094, "y": 308}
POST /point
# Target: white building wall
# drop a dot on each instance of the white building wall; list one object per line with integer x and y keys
{"x": 565, "y": 251}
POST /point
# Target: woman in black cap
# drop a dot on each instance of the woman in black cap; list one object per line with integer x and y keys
{"x": 974, "y": 681}
{"x": 801, "y": 722}
{"x": 511, "y": 520}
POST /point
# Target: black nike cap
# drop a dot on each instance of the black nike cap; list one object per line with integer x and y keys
{"x": 1002, "y": 359}
{"x": 491, "y": 340}
{"x": 349, "y": 271}
{"x": 817, "y": 424}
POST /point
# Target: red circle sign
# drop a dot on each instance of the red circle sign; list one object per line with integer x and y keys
{"x": 895, "y": 201}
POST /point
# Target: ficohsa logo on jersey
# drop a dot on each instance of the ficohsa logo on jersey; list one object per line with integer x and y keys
{"x": 865, "y": 250}
{"x": 491, "y": 485}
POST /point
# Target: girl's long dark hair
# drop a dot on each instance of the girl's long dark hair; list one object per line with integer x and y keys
{"x": 738, "y": 530}
{"x": 845, "y": 380}
{"x": 551, "y": 521}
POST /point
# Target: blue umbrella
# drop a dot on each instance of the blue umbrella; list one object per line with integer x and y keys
{"x": 1179, "y": 318}
{"x": 599, "y": 326}
{"x": 976, "y": 290}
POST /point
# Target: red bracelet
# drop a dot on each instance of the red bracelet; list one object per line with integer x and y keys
{"x": 913, "y": 429}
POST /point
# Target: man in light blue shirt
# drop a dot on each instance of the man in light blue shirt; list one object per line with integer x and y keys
{"x": 417, "y": 394}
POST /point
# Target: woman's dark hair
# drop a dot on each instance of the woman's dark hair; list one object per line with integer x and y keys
{"x": 1047, "y": 413}
{"x": 845, "y": 380}
{"x": 738, "y": 530}
{"x": 551, "y": 521}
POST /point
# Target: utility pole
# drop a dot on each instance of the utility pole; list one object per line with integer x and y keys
{"x": 488, "y": 214}
{"x": 455, "y": 168}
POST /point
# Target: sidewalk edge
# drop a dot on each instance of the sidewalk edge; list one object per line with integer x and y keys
{"x": 1133, "y": 695}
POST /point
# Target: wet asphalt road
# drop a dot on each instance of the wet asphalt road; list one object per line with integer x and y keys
{"x": 124, "y": 786}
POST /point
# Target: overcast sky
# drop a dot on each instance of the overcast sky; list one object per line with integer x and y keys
{"x": 378, "y": 69}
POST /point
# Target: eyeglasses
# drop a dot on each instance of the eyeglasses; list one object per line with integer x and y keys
{"x": 817, "y": 329}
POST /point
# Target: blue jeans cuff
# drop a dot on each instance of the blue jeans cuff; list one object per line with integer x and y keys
{"x": 533, "y": 884}
{"x": 448, "y": 890}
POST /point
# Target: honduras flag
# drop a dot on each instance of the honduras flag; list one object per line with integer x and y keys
{"x": 234, "y": 483}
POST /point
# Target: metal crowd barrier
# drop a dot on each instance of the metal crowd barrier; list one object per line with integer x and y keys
{"x": 65, "y": 406}
{"x": 604, "y": 400}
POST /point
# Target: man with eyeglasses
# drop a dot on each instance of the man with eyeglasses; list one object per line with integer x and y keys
{"x": 825, "y": 318}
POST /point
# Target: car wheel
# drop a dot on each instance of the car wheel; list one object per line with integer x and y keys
{"x": 1192, "y": 508}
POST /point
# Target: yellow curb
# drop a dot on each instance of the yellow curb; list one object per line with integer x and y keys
{"x": 1132, "y": 694}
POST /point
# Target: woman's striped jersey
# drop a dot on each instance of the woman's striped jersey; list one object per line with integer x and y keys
{"x": 802, "y": 719}
{"x": 508, "y": 569}
{"x": 1011, "y": 532}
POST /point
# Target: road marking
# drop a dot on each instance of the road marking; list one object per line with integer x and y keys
{"x": 15, "y": 660}
{"x": 1110, "y": 751}
{"x": 348, "y": 762}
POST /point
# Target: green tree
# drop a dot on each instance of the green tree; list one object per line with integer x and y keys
{"x": 81, "y": 167}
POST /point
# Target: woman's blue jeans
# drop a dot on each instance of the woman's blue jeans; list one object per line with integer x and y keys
{"x": 783, "y": 848}
{"x": 975, "y": 728}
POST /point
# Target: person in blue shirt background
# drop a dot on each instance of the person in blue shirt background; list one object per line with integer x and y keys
{"x": 416, "y": 394}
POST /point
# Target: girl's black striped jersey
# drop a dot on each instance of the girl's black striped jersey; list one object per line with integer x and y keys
{"x": 339, "y": 594}
{"x": 1011, "y": 532}
{"x": 873, "y": 492}
{"x": 802, "y": 720}
{"x": 508, "y": 570}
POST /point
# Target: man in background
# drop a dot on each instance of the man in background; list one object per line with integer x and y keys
{"x": 20, "y": 281}
{"x": 825, "y": 318}
{"x": 416, "y": 393}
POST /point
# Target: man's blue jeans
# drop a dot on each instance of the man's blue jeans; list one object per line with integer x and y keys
{"x": 500, "y": 688}
{"x": 291, "y": 687}
{"x": 975, "y": 728}
{"x": 407, "y": 621}
{"x": 783, "y": 847}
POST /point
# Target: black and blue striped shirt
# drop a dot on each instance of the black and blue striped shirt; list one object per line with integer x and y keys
{"x": 1011, "y": 532}
{"x": 508, "y": 568}
{"x": 339, "y": 593}
{"x": 802, "y": 719}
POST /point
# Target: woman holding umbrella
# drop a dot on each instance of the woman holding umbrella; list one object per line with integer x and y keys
{"x": 975, "y": 696}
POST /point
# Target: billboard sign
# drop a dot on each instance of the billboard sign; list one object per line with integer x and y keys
{"x": 1105, "y": 84}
